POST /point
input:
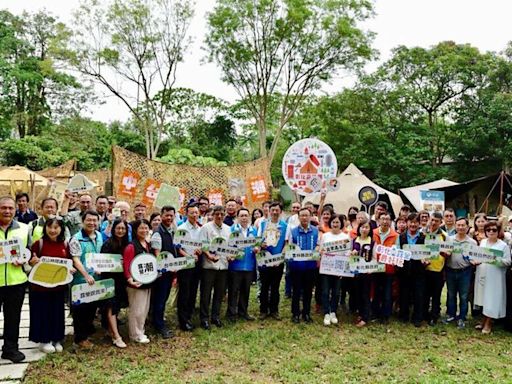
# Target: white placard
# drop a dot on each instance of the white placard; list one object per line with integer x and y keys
{"x": 336, "y": 265}
{"x": 144, "y": 268}
{"x": 51, "y": 272}
{"x": 270, "y": 260}
{"x": 168, "y": 263}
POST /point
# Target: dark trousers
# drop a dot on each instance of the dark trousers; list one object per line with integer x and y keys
{"x": 239, "y": 287}
{"x": 382, "y": 303}
{"x": 287, "y": 281}
{"x": 330, "y": 293}
{"x": 270, "y": 278}
{"x": 159, "y": 296}
{"x": 433, "y": 287}
{"x": 412, "y": 288}
{"x": 318, "y": 288}
{"x": 363, "y": 285}
{"x": 11, "y": 300}
{"x": 83, "y": 318}
{"x": 303, "y": 281}
{"x": 188, "y": 282}
{"x": 212, "y": 279}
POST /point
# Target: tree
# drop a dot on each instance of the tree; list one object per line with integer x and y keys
{"x": 133, "y": 49}
{"x": 35, "y": 86}
{"x": 285, "y": 47}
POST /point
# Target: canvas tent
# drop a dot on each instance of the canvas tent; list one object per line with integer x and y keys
{"x": 484, "y": 194}
{"x": 351, "y": 180}
{"x": 411, "y": 195}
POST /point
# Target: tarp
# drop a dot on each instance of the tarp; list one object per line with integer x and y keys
{"x": 351, "y": 180}
{"x": 411, "y": 195}
{"x": 17, "y": 173}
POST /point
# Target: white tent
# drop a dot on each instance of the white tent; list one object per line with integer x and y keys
{"x": 411, "y": 195}
{"x": 351, "y": 180}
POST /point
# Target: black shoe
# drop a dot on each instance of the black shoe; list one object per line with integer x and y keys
{"x": 296, "y": 319}
{"x": 384, "y": 321}
{"x": 263, "y": 316}
{"x": 417, "y": 324}
{"x": 205, "y": 324}
{"x": 230, "y": 318}
{"x": 187, "y": 327}
{"x": 217, "y": 322}
{"x": 275, "y": 316}
{"x": 166, "y": 333}
{"x": 247, "y": 317}
{"x": 432, "y": 322}
{"x": 14, "y": 356}
{"x": 307, "y": 318}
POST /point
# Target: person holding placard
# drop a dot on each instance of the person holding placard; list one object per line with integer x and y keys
{"x": 382, "y": 303}
{"x": 241, "y": 271}
{"x": 458, "y": 274}
{"x": 273, "y": 233}
{"x": 116, "y": 244}
{"x": 411, "y": 276}
{"x": 362, "y": 246}
{"x": 163, "y": 241}
{"x": 434, "y": 280}
{"x": 120, "y": 211}
{"x": 188, "y": 279}
{"x": 47, "y": 316}
{"x": 303, "y": 273}
{"x": 73, "y": 219}
{"x": 139, "y": 294}
{"x": 490, "y": 283}
{"x": 12, "y": 281}
{"x": 87, "y": 240}
{"x": 215, "y": 270}
{"x": 330, "y": 284}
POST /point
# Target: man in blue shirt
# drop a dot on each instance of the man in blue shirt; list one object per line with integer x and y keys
{"x": 23, "y": 213}
{"x": 303, "y": 273}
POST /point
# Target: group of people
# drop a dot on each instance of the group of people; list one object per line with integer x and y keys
{"x": 81, "y": 227}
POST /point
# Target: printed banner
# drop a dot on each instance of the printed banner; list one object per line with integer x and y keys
{"x": 12, "y": 251}
{"x": 337, "y": 247}
{"x": 128, "y": 185}
{"x": 432, "y": 201}
{"x": 50, "y": 272}
{"x": 422, "y": 251}
{"x": 215, "y": 196}
{"x": 444, "y": 246}
{"x": 294, "y": 253}
{"x": 360, "y": 265}
{"x": 167, "y": 195}
{"x": 168, "y": 263}
{"x": 392, "y": 255}
{"x": 150, "y": 193}
{"x": 335, "y": 265}
{"x": 183, "y": 239}
{"x": 85, "y": 293}
{"x": 258, "y": 189}
{"x": 57, "y": 191}
{"x": 307, "y": 165}
{"x": 237, "y": 240}
{"x": 220, "y": 247}
{"x": 144, "y": 268}
{"x": 269, "y": 260}
{"x": 104, "y": 262}
{"x": 480, "y": 254}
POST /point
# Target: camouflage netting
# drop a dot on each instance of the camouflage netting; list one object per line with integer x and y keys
{"x": 196, "y": 181}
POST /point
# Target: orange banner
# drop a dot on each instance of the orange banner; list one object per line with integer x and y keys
{"x": 150, "y": 192}
{"x": 128, "y": 185}
{"x": 215, "y": 196}
{"x": 258, "y": 189}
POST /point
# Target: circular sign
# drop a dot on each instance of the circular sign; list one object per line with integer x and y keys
{"x": 368, "y": 196}
{"x": 307, "y": 165}
{"x": 333, "y": 185}
{"x": 144, "y": 268}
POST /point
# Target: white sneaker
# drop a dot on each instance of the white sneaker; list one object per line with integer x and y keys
{"x": 58, "y": 347}
{"x": 334, "y": 319}
{"x": 142, "y": 339}
{"x": 119, "y": 343}
{"x": 46, "y": 347}
{"x": 327, "y": 319}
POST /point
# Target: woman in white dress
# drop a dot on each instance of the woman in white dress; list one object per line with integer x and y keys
{"x": 490, "y": 285}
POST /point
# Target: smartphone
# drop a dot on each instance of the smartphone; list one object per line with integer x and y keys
{"x": 116, "y": 212}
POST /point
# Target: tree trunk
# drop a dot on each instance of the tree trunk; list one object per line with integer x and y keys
{"x": 262, "y": 134}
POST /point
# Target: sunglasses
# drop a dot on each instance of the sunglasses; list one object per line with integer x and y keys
{"x": 491, "y": 230}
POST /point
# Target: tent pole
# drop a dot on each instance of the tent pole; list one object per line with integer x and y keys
{"x": 486, "y": 201}
{"x": 500, "y": 206}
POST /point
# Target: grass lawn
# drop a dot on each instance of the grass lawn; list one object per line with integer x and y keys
{"x": 273, "y": 351}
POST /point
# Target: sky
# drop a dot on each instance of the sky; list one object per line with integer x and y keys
{"x": 483, "y": 24}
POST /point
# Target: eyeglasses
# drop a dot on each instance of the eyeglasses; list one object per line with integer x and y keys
{"x": 491, "y": 230}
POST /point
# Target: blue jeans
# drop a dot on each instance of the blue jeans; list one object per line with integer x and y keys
{"x": 330, "y": 293}
{"x": 159, "y": 296}
{"x": 458, "y": 282}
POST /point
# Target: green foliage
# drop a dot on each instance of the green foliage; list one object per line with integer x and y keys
{"x": 185, "y": 156}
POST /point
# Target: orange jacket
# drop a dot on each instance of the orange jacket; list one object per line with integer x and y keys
{"x": 389, "y": 241}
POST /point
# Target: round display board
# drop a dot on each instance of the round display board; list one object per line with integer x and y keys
{"x": 144, "y": 268}
{"x": 308, "y": 166}
{"x": 368, "y": 196}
